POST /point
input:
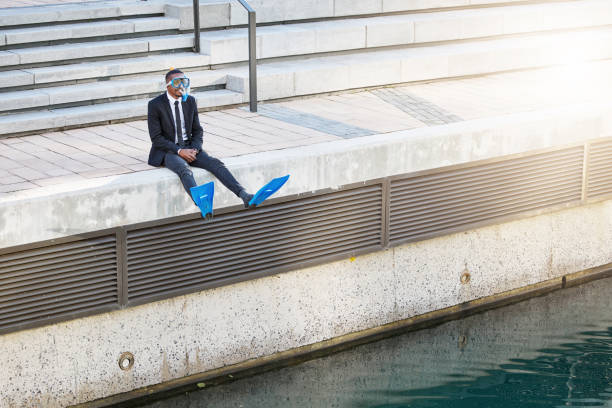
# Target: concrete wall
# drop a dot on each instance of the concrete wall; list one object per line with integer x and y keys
{"x": 77, "y": 361}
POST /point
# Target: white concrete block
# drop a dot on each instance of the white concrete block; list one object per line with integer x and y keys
{"x": 339, "y": 35}
{"x": 23, "y": 100}
{"x": 308, "y": 9}
{"x": 206, "y": 78}
{"x": 450, "y": 26}
{"x": 15, "y": 78}
{"x": 24, "y": 122}
{"x": 409, "y": 5}
{"x": 170, "y": 42}
{"x": 314, "y": 76}
{"x": 104, "y": 112}
{"x": 154, "y": 24}
{"x": 116, "y": 67}
{"x": 392, "y": 30}
{"x": 8, "y": 58}
{"x": 356, "y": 7}
{"x": 374, "y": 72}
{"x": 101, "y": 28}
{"x": 2, "y": 38}
{"x": 127, "y": 8}
{"x": 90, "y": 11}
{"x": 424, "y": 65}
{"x": 36, "y": 34}
{"x": 219, "y": 97}
{"x": 19, "y": 16}
{"x": 101, "y": 90}
{"x": 212, "y": 14}
{"x": 277, "y": 41}
{"x": 268, "y": 11}
{"x": 81, "y": 50}
{"x": 228, "y": 45}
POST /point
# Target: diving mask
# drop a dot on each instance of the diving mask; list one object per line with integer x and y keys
{"x": 181, "y": 83}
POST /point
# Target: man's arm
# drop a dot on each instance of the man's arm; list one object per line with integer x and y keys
{"x": 196, "y": 129}
{"x": 155, "y": 132}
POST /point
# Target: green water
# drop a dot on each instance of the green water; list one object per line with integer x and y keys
{"x": 551, "y": 351}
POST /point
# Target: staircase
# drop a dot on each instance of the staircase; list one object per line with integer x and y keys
{"x": 80, "y": 64}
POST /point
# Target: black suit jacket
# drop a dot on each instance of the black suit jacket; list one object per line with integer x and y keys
{"x": 161, "y": 127}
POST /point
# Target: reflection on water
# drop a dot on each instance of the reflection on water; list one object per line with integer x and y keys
{"x": 552, "y": 351}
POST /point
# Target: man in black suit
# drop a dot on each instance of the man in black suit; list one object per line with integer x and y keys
{"x": 176, "y": 135}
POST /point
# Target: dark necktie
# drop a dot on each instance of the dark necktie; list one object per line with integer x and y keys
{"x": 179, "y": 130}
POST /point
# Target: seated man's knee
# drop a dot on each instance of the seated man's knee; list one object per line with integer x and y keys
{"x": 184, "y": 171}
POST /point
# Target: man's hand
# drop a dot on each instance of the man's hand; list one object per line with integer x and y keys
{"x": 188, "y": 154}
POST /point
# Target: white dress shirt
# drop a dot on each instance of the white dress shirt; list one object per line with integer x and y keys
{"x": 171, "y": 100}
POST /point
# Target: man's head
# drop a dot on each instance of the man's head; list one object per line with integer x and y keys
{"x": 175, "y": 86}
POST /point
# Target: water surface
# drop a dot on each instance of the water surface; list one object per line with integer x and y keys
{"x": 550, "y": 351}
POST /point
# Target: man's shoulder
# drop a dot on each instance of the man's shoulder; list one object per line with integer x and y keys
{"x": 192, "y": 100}
{"x": 158, "y": 99}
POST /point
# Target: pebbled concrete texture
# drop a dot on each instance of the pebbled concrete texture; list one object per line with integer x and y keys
{"x": 48, "y": 213}
{"x": 76, "y": 361}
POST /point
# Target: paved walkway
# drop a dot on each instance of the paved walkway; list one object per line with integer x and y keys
{"x": 58, "y": 157}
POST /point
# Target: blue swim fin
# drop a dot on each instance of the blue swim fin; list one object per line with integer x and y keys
{"x": 203, "y": 197}
{"x": 266, "y": 191}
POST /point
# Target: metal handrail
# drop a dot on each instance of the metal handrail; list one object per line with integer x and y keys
{"x": 252, "y": 47}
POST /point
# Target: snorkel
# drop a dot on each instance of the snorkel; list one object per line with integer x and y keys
{"x": 184, "y": 92}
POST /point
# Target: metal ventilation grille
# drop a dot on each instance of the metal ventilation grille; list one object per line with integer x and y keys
{"x": 191, "y": 255}
{"x": 599, "y": 174}
{"x": 59, "y": 280}
{"x": 428, "y": 205}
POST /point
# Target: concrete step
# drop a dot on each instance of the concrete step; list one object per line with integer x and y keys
{"x": 49, "y": 97}
{"x": 87, "y": 30}
{"x": 78, "y": 51}
{"x": 219, "y": 13}
{"x": 102, "y": 113}
{"x": 284, "y": 79}
{"x": 231, "y": 45}
{"x": 87, "y": 71}
{"x": 17, "y": 16}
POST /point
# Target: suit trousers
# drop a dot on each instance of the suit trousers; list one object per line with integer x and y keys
{"x": 182, "y": 168}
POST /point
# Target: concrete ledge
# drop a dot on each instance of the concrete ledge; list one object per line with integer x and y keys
{"x": 70, "y": 209}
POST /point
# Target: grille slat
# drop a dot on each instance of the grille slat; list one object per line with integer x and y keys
{"x": 468, "y": 219}
{"x": 23, "y": 307}
{"x": 452, "y": 186}
{"x": 228, "y": 223}
{"x": 79, "y": 306}
{"x": 296, "y": 231}
{"x": 222, "y": 233}
{"x": 494, "y": 171}
{"x": 599, "y": 173}
{"x": 291, "y": 208}
{"x": 457, "y": 198}
{"x": 253, "y": 268}
{"x": 441, "y": 207}
{"x": 149, "y": 270}
{"x": 219, "y": 248}
{"x": 57, "y": 280}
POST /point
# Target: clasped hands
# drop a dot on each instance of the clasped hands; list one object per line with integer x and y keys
{"x": 188, "y": 154}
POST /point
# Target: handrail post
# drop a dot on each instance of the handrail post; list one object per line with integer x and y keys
{"x": 252, "y": 56}
{"x": 196, "y": 26}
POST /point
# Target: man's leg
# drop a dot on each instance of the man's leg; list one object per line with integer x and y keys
{"x": 218, "y": 169}
{"x": 180, "y": 166}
